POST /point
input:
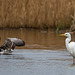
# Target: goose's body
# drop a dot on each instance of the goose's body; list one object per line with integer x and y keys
{"x": 10, "y": 44}
{"x": 70, "y": 45}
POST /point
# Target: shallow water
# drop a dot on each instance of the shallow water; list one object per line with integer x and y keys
{"x": 34, "y": 38}
{"x": 37, "y": 62}
{"x": 43, "y": 54}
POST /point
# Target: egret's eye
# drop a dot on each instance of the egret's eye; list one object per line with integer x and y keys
{"x": 66, "y": 34}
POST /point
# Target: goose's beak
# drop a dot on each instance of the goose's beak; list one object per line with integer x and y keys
{"x": 62, "y": 35}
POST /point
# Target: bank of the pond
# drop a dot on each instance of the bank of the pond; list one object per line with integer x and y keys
{"x": 58, "y": 28}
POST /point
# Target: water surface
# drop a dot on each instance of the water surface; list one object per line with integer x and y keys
{"x": 43, "y": 54}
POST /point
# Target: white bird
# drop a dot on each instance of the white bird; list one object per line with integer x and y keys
{"x": 70, "y": 45}
{"x": 10, "y": 44}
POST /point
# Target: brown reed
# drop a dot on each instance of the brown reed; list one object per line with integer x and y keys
{"x": 36, "y": 13}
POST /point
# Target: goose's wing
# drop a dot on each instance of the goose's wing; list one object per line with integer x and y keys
{"x": 16, "y": 41}
{"x": 7, "y": 44}
{"x": 10, "y": 43}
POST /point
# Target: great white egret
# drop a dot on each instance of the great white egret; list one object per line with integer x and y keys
{"x": 70, "y": 45}
{"x": 10, "y": 44}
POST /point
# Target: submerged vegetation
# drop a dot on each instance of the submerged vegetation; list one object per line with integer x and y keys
{"x": 36, "y": 13}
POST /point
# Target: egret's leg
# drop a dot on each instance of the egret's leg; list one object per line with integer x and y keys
{"x": 73, "y": 60}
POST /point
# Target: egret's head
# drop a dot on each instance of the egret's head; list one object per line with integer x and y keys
{"x": 66, "y": 34}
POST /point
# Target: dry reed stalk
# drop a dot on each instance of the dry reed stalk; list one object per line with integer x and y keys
{"x": 36, "y": 13}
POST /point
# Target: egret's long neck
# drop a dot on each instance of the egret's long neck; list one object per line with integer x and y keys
{"x": 67, "y": 42}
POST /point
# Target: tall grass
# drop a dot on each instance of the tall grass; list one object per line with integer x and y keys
{"x": 36, "y": 13}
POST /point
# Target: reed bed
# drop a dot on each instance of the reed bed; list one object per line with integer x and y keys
{"x": 36, "y": 13}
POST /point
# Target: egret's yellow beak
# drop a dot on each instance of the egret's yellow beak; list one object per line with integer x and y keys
{"x": 62, "y": 35}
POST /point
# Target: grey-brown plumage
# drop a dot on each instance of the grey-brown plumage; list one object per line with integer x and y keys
{"x": 10, "y": 44}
